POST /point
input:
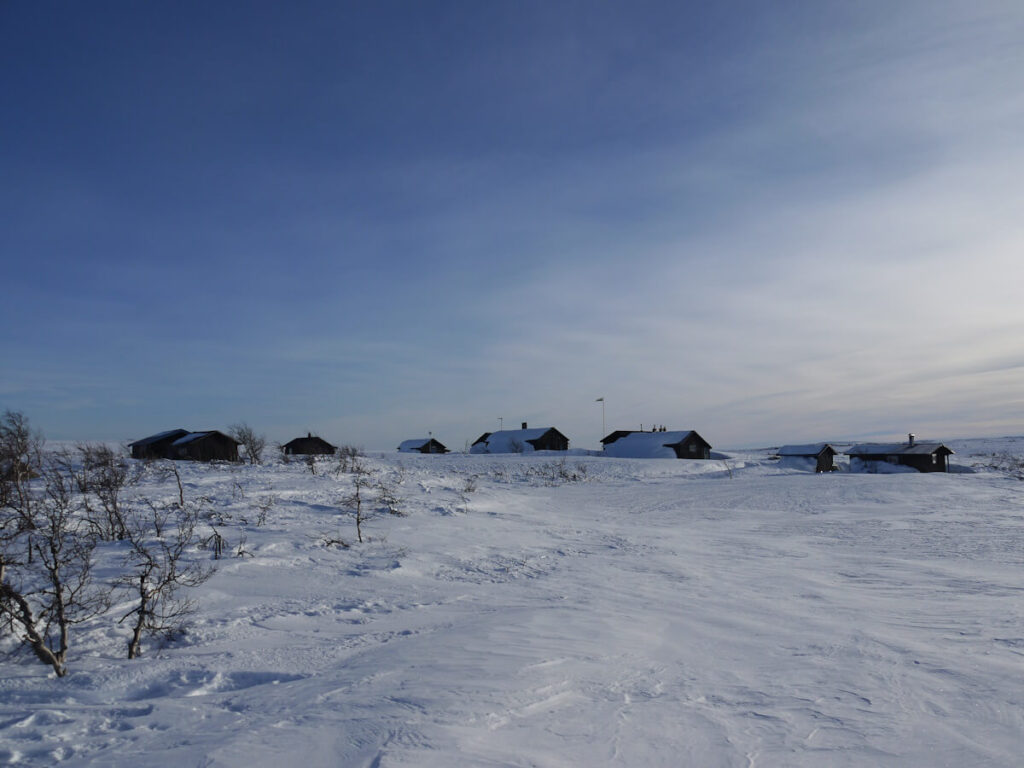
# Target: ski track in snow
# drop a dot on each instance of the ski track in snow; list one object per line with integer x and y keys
{"x": 657, "y": 613}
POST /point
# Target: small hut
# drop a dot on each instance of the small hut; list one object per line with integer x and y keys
{"x": 422, "y": 445}
{"x": 308, "y": 445}
{"x": 819, "y": 455}
{"x": 156, "y": 446}
{"x": 637, "y": 444}
{"x": 922, "y": 456}
{"x": 205, "y": 446}
{"x": 523, "y": 440}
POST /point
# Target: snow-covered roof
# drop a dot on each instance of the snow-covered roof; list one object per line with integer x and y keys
{"x": 160, "y": 436}
{"x": 192, "y": 436}
{"x": 808, "y": 449}
{"x": 307, "y": 438}
{"x": 510, "y": 440}
{"x": 413, "y": 445}
{"x": 894, "y": 449}
{"x": 647, "y": 445}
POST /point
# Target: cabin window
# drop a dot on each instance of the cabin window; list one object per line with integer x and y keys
{"x": 693, "y": 448}
{"x": 935, "y": 459}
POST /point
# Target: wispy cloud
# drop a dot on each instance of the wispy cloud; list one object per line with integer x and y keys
{"x": 769, "y": 226}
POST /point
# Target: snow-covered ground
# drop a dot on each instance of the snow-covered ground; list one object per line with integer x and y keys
{"x": 593, "y": 612}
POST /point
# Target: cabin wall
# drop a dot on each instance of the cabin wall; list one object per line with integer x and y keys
{"x": 922, "y": 462}
{"x": 926, "y": 463}
{"x": 209, "y": 449}
{"x": 550, "y": 441}
{"x": 158, "y": 450}
{"x": 692, "y": 448}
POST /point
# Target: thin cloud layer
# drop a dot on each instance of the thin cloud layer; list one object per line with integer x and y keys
{"x": 772, "y": 225}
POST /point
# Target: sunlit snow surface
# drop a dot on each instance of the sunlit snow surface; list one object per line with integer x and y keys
{"x": 654, "y": 613}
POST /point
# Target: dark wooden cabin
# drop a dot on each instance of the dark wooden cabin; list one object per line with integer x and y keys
{"x": 156, "y": 446}
{"x": 822, "y": 454}
{"x": 422, "y": 445}
{"x": 691, "y": 446}
{"x": 521, "y": 440}
{"x": 686, "y": 444}
{"x": 310, "y": 445}
{"x": 922, "y": 456}
{"x": 205, "y": 446}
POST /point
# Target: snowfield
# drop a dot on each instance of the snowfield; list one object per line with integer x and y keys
{"x": 576, "y": 612}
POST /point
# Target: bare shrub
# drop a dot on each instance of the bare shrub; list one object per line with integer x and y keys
{"x": 21, "y": 460}
{"x": 250, "y": 440}
{"x": 157, "y": 569}
{"x": 348, "y": 459}
{"x": 558, "y": 472}
{"x": 46, "y": 561}
{"x": 388, "y": 498}
{"x": 101, "y": 476}
{"x": 469, "y": 486}
{"x": 240, "y": 550}
{"x": 215, "y": 542}
{"x": 355, "y": 504}
{"x": 333, "y": 541}
{"x": 310, "y": 460}
{"x": 263, "y": 506}
{"x": 283, "y": 452}
{"x": 1007, "y": 464}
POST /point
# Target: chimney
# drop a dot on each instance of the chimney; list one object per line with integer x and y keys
{"x": 524, "y": 425}
{"x": 309, "y": 434}
{"x": 910, "y": 439}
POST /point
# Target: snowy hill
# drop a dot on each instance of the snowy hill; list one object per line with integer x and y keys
{"x": 533, "y": 610}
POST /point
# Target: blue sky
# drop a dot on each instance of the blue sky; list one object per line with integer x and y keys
{"x": 771, "y": 222}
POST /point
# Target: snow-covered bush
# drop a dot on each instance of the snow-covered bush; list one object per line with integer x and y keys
{"x": 1007, "y": 464}
{"x": 46, "y": 550}
{"x": 156, "y": 568}
{"x": 252, "y": 442}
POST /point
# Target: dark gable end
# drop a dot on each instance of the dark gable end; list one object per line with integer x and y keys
{"x": 551, "y": 440}
{"x": 434, "y": 446}
{"x": 310, "y": 445}
{"x": 822, "y": 453}
{"x": 693, "y": 446}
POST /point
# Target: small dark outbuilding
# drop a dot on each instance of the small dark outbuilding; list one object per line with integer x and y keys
{"x": 205, "y": 446}
{"x": 523, "y": 440}
{"x": 156, "y": 446}
{"x": 922, "y": 456}
{"x": 310, "y": 445}
{"x": 639, "y": 444}
{"x": 821, "y": 454}
{"x": 422, "y": 445}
